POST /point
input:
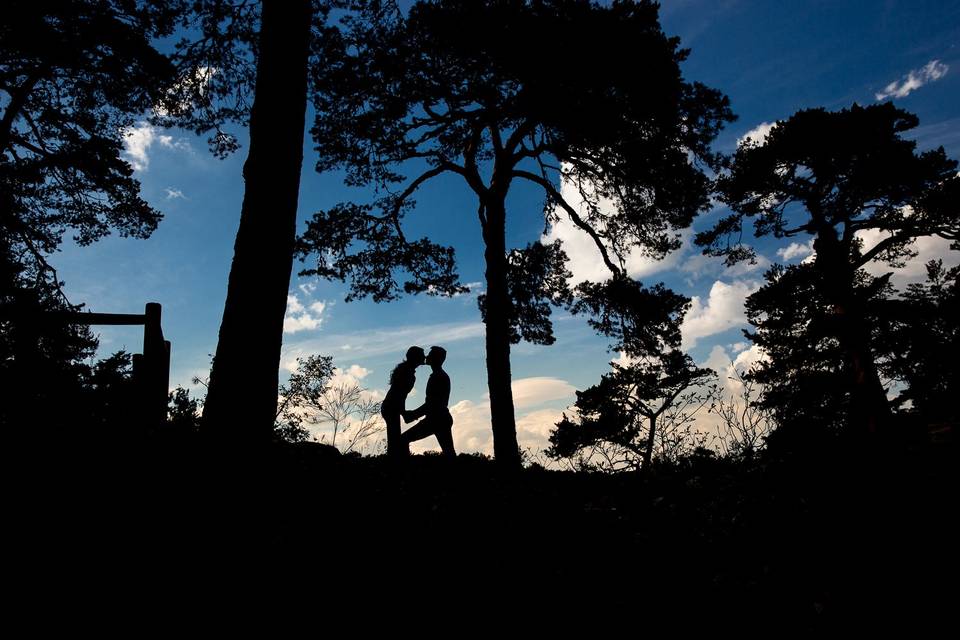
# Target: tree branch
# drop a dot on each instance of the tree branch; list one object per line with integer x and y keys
{"x": 518, "y": 134}
{"x": 574, "y": 217}
{"x": 18, "y": 98}
{"x": 411, "y": 188}
{"x": 880, "y": 247}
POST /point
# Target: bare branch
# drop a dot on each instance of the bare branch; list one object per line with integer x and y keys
{"x": 574, "y": 217}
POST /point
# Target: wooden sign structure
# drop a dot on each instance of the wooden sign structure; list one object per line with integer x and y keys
{"x": 151, "y": 369}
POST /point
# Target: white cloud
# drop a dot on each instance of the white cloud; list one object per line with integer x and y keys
{"x": 293, "y": 305}
{"x": 300, "y": 318}
{"x": 307, "y": 288}
{"x": 586, "y": 262}
{"x": 533, "y": 429}
{"x": 795, "y": 250}
{"x": 737, "y": 347}
{"x": 930, "y": 72}
{"x": 727, "y": 368}
{"x": 529, "y": 392}
{"x": 138, "y": 139}
{"x": 718, "y": 360}
{"x": 749, "y": 357}
{"x": 472, "y": 432}
{"x": 173, "y": 194}
{"x": 914, "y": 270}
{"x": 723, "y": 310}
{"x": 697, "y": 266}
{"x": 758, "y": 134}
{"x": 364, "y": 344}
{"x": 354, "y": 374}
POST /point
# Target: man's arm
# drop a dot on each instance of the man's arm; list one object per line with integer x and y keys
{"x": 415, "y": 414}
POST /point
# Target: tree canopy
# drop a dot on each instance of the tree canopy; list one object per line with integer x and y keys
{"x": 631, "y": 406}
{"x": 74, "y": 76}
{"x": 464, "y": 88}
{"x": 852, "y": 181}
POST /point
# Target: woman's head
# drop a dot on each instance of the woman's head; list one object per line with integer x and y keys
{"x": 416, "y": 356}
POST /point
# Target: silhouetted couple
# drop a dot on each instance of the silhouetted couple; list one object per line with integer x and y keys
{"x": 436, "y": 421}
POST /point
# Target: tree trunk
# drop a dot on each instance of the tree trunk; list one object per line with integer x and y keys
{"x": 505, "y": 448}
{"x": 869, "y": 409}
{"x": 242, "y": 398}
{"x": 648, "y": 453}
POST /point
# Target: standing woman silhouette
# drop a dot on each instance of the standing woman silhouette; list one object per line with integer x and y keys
{"x": 402, "y": 379}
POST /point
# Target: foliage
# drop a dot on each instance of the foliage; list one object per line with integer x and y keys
{"x": 537, "y": 280}
{"x": 460, "y": 88}
{"x": 639, "y": 320}
{"x": 183, "y": 412}
{"x": 922, "y": 337}
{"x": 617, "y": 419}
{"x": 805, "y": 375}
{"x": 334, "y": 234}
{"x": 41, "y": 365}
{"x": 806, "y": 379}
{"x": 646, "y": 404}
{"x": 461, "y": 83}
{"x": 74, "y": 77}
{"x": 850, "y": 171}
{"x": 746, "y": 422}
{"x": 111, "y": 397}
{"x": 842, "y": 177}
{"x": 216, "y": 66}
{"x": 313, "y": 397}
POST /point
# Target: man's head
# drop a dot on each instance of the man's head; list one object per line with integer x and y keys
{"x": 415, "y": 356}
{"x": 436, "y": 356}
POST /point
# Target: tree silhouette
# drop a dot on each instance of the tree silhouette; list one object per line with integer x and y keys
{"x": 305, "y": 387}
{"x": 655, "y": 388}
{"x": 842, "y": 177}
{"x": 922, "y": 339}
{"x": 462, "y": 88}
{"x": 183, "y": 412}
{"x": 745, "y": 422}
{"x": 806, "y": 376}
{"x": 73, "y": 77}
{"x": 628, "y": 406}
{"x": 241, "y": 50}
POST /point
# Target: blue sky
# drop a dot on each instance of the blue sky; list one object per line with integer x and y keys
{"x": 771, "y": 58}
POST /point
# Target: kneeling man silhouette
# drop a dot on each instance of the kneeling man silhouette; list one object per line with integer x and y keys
{"x": 437, "y": 421}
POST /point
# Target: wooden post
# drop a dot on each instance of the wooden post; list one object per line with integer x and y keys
{"x": 156, "y": 360}
{"x": 151, "y": 369}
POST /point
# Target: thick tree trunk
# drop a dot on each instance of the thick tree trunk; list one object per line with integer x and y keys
{"x": 648, "y": 452}
{"x": 242, "y": 398}
{"x": 505, "y": 448}
{"x": 869, "y": 409}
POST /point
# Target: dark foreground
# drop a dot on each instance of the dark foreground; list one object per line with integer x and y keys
{"x": 158, "y": 529}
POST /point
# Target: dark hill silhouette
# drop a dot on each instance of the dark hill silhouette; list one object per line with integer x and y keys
{"x": 844, "y": 541}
